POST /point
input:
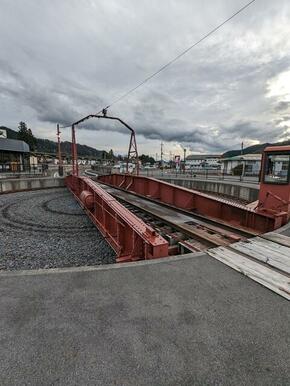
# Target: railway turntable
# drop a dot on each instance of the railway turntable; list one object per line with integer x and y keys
{"x": 230, "y": 232}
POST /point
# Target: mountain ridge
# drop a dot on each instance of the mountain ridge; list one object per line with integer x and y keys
{"x": 254, "y": 149}
{"x": 49, "y": 146}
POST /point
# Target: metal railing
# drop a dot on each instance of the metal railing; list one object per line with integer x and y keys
{"x": 207, "y": 174}
{"x": 14, "y": 170}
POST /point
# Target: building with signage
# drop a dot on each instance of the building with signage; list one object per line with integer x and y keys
{"x": 203, "y": 161}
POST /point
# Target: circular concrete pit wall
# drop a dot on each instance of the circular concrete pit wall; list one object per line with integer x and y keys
{"x": 234, "y": 190}
{"x": 21, "y": 184}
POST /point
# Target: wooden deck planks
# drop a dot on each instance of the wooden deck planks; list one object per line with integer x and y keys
{"x": 277, "y": 238}
{"x": 268, "y": 252}
{"x": 275, "y": 281}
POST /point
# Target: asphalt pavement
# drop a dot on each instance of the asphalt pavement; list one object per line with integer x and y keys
{"x": 190, "y": 321}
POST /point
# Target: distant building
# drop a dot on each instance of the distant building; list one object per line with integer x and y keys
{"x": 14, "y": 155}
{"x": 203, "y": 161}
{"x": 249, "y": 164}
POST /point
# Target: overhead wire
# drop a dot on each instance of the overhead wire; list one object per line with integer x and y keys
{"x": 165, "y": 66}
{"x": 180, "y": 55}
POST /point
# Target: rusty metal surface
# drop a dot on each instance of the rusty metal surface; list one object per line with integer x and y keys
{"x": 132, "y": 151}
{"x": 208, "y": 234}
{"x": 220, "y": 210}
{"x": 129, "y": 236}
{"x": 274, "y": 197}
{"x": 277, "y": 148}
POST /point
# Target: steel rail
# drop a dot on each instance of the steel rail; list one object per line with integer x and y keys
{"x": 202, "y": 219}
{"x": 207, "y": 233}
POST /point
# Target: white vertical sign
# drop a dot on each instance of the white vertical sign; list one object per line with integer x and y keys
{"x": 3, "y": 133}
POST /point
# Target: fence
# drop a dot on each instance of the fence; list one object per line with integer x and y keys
{"x": 15, "y": 169}
{"x": 199, "y": 174}
{"x": 208, "y": 174}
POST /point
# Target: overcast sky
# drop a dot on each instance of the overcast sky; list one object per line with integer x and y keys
{"x": 63, "y": 59}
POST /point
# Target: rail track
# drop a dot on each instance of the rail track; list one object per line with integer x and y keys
{"x": 184, "y": 231}
{"x": 49, "y": 229}
{"x": 264, "y": 258}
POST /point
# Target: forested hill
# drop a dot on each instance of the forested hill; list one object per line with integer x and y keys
{"x": 48, "y": 146}
{"x": 255, "y": 149}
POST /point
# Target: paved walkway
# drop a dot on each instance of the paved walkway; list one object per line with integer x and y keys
{"x": 172, "y": 322}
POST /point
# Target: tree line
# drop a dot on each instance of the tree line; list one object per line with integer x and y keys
{"x": 47, "y": 146}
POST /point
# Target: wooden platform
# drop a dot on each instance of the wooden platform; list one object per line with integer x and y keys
{"x": 264, "y": 259}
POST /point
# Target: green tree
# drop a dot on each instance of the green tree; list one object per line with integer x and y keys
{"x": 25, "y": 134}
{"x": 111, "y": 155}
{"x": 237, "y": 170}
{"x": 146, "y": 159}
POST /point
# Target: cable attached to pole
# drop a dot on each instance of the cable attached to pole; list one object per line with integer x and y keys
{"x": 165, "y": 66}
{"x": 180, "y": 55}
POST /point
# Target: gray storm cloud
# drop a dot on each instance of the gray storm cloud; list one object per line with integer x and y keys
{"x": 74, "y": 57}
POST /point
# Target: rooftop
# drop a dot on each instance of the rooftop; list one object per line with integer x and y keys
{"x": 13, "y": 145}
{"x": 202, "y": 156}
{"x": 242, "y": 157}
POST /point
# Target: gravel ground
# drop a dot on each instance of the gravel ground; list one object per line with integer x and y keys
{"x": 48, "y": 229}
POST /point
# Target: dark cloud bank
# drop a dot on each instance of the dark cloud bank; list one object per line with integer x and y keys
{"x": 73, "y": 58}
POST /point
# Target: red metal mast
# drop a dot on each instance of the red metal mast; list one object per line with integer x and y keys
{"x": 132, "y": 152}
{"x": 60, "y": 166}
{"x": 74, "y": 152}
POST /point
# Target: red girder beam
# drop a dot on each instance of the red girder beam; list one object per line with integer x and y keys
{"x": 128, "y": 235}
{"x": 196, "y": 202}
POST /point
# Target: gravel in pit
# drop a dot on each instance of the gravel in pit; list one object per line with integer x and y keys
{"x": 48, "y": 229}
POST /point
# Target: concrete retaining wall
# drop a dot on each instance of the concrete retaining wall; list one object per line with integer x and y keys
{"x": 241, "y": 192}
{"x": 19, "y": 184}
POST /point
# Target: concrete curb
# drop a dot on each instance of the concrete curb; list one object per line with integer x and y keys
{"x": 24, "y": 184}
{"x": 134, "y": 264}
{"x": 243, "y": 192}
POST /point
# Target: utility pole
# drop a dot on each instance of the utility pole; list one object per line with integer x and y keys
{"x": 60, "y": 166}
{"x": 75, "y": 165}
{"x": 184, "y": 157}
{"x": 161, "y": 154}
{"x": 243, "y": 162}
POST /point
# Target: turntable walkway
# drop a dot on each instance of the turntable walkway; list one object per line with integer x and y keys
{"x": 188, "y": 321}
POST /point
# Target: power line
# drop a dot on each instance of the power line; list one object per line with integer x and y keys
{"x": 165, "y": 66}
{"x": 99, "y": 112}
{"x": 180, "y": 55}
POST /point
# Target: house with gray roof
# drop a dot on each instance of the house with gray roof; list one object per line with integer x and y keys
{"x": 14, "y": 155}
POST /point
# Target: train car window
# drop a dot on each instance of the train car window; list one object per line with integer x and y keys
{"x": 277, "y": 168}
